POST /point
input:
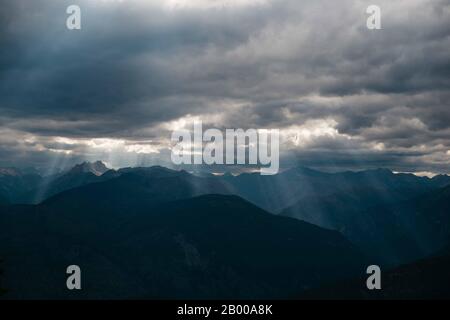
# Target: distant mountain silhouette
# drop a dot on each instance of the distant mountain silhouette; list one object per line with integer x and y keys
{"x": 27, "y": 186}
{"x": 212, "y": 246}
{"x": 275, "y": 193}
{"x": 15, "y": 184}
{"x": 390, "y": 231}
{"x": 79, "y": 175}
{"x": 97, "y": 168}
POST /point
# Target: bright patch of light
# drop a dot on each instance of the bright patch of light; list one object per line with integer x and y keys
{"x": 66, "y": 152}
{"x": 184, "y": 123}
{"x": 379, "y": 146}
{"x": 106, "y": 145}
{"x": 141, "y": 149}
{"x": 425, "y": 174}
{"x": 307, "y": 132}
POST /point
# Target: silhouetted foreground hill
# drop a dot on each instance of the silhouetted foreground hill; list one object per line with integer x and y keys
{"x": 211, "y": 246}
{"x": 424, "y": 279}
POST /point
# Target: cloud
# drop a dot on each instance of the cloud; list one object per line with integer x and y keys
{"x": 136, "y": 66}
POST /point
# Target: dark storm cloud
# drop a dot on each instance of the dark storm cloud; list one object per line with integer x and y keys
{"x": 128, "y": 56}
{"x": 136, "y": 66}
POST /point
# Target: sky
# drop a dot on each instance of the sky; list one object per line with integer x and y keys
{"x": 342, "y": 96}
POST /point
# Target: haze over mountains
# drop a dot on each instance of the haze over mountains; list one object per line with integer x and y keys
{"x": 156, "y": 233}
{"x": 17, "y": 186}
{"x": 273, "y": 193}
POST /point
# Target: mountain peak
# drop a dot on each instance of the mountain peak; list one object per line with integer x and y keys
{"x": 98, "y": 168}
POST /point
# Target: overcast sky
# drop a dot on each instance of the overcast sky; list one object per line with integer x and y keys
{"x": 343, "y": 96}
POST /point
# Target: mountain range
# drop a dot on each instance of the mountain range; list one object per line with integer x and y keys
{"x": 272, "y": 193}
{"x": 392, "y": 217}
{"x": 160, "y": 233}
